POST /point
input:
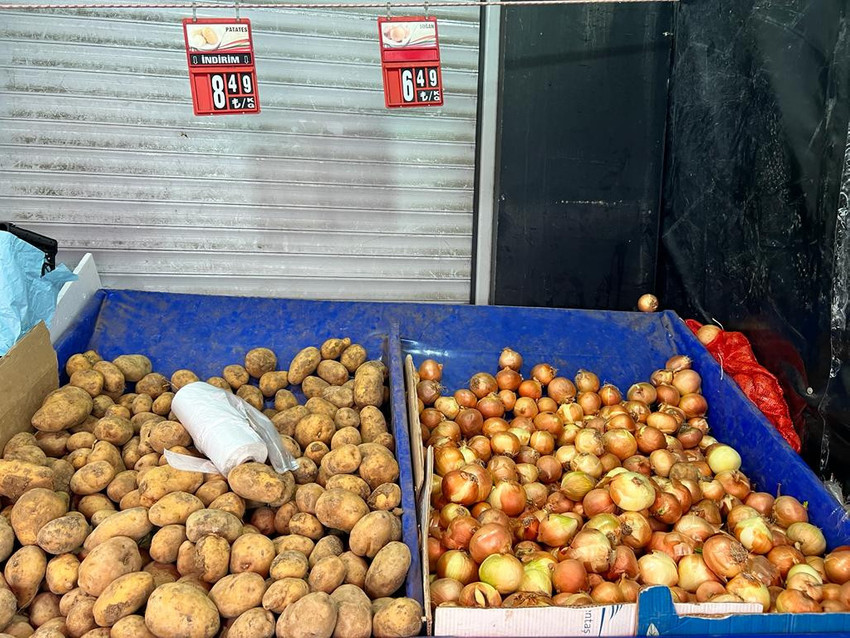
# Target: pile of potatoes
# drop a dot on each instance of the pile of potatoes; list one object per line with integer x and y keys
{"x": 101, "y": 537}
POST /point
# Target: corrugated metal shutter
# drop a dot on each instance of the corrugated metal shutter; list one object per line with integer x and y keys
{"x": 324, "y": 194}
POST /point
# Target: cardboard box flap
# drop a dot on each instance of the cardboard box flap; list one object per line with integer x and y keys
{"x": 28, "y": 372}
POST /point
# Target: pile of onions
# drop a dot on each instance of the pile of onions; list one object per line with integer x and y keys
{"x": 551, "y": 490}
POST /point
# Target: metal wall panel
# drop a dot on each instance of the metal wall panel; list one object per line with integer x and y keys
{"x": 324, "y": 194}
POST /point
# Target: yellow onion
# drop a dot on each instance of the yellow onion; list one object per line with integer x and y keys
{"x": 503, "y": 572}
{"x": 788, "y": 510}
{"x": 784, "y": 557}
{"x": 479, "y": 595}
{"x": 606, "y": 593}
{"x": 587, "y": 463}
{"x": 754, "y": 534}
{"x": 458, "y": 565}
{"x": 724, "y": 555}
{"x": 575, "y": 485}
{"x": 631, "y": 491}
{"x": 807, "y": 538}
{"x": 536, "y": 580}
{"x": 749, "y": 589}
{"x": 635, "y": 530}
{"x": 657, "y": 568}
{"x": 526, "y": 599}
{"x": 593, "y": 550}
{"x": 693, "y": 572}
{"x": 805, "y": 568}
{"x": 837, "y": 566}
{"x": 573, "y": 600}
{"x": 508, "y": 496}
{"x": 608, "y": 524}
{"x": 792, "y": 601}
{"x": 694, "y": 527}
{"x": 445, "y": 590}
{"x": 624, "y": 563}
{"x": 723, "y": 458}
{"x": 569, "y": 576}
{"x": 460, "y": 487}
{"x": 557, "y": 529}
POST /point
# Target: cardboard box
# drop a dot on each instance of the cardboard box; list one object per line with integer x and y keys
{"x": 28, "y": 372}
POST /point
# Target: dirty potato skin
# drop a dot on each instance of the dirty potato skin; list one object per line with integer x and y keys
{"x": 179, "y": 610}
{"x": 122, "y": 597}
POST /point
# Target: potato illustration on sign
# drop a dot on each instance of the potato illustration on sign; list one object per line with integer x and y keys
{"x": 203, "y": 38}
{"x": 397, "y": 33}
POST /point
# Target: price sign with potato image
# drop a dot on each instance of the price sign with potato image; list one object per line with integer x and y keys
{"x": 410, "y": 62}
{"x": 222, "y": 76}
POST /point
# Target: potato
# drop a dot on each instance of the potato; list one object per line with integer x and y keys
{"x": 325, "y": 547}
{"x": 97, "y": 632}
{"x": 142, "y": 404}
{"x": 62, "y": 473}
{"x": 122, "y": 597}
{"x": 252, "y": 553}
{"x": 314, "y": 427}
{"x": 132, "y": 523}
{"x": 43, "y": 608}
{"x": 262, "y": 519}
{"x": 354, "y": 620}
{"x": 24, "y": 571}
{"x": 272, "y": 382}
{"x": 89, "y": 380}
{"x": 130, "y": 452}
{"x": 166, "y": 542}
{"x": 162, "y": 573}
{"x": 80, "y": 618}
{"x": 236, "y": 376}
{"x": 187, "y": 559}
{"x": 306, "y": 525}
{"x": 332, "y": 348}
{"x": 139, "y": 421}
{"x": 98, "y": 517}
{"x": 349, "y": 482}
{"x": 19, "y": 440}
{"x": 210, "y": 491}
{"x": 8, "y": 607}
{"x": 289, "y": 564}
{"x": 259, "y": 482}
{"x": 229, "y": 502}
{"x": 313, "y": 387}
{"x": 373, "y": 532}
{"x": 174, "y": 508}
{"x": 33, "y": 511}
{"x": 106, "y": 562}
{"x": 290, "y": 445}
{"x": 387, "y": 496}
{"x": 61, "y": 573}
{"x": 284, "y": 399}
{"x": 53, "y": 444}
{"x": 67, "y": 601}
{"x": 306, "y": 496}
{"x": 388, "y": 570}
{"x": 100, "y": 404}
{"x": 167, "y": 434}
{"x": 355, "y": 569}
{"x": 343, "y": 460}
{"x": 353, "y": 357}
{"x": 92, "y": 477}
{"x": 286, "y": 420}
{"x": 28, "y": 454}
{"x": 105, "y": 451}
{"x": 252, "y": 395}
{"x": 332, "y": 371}
{"x": 146, "y": 462}
{"x": 165, "y": 479}
{"x": 64, "y": 534}
{"x": 347, "y": 417}
{"x": 195, "y": 581}
{"x": 340, "y": 509}
{"x": 131, "y": 626}
{"x": 154, "y": 385}
{"x": 63, "y": 409}
{"x": 338, "y": 396}
{"x": 304, "y": 364}
{"x": 7, "y": 539}
{"x": 117, "y": 410}
{"x": 220, "y": 383}
{"x": 313, "y": 616}
{"x": 123, "y": 483}
{"x": 20, "y": 628}
{"x": 113, "y": 379}
{"x": 368, "y": 387}
{"x": 92, "y": 503}
{"x": 212, "y": 557}
{"x": 293, "y": 542}
{"x": 351, "y": 594}
{"x": 113, "y": 429}
{"x": 372, "y": 423}
{"x": 254, "y": 623}
{"x": 76, "y": 362}
{"x": 327, "y": 574}
{"x": 179, "y": 610}
{"x": 317, "y": 405}
{"x": 162, "y": 404}
{"x": 306, "y": 471}
{"x": 258, "y": 361}
{"x": 134, "y": 367}
{"x": 377, "y": 469}
{"x": 282, "y": 516}
{"x": 237, "y": 593}
{"x": 400, "y": 618}
{"x": 216, "y": 522}
{"x": 182, "y": 378}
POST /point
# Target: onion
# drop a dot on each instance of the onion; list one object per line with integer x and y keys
{"x": 508, "y": 496}
{"x": 638, "y": 410}
{"x": 606, "y": 593}
{"x": 609, "y": 462}
{"x": 558, "y": 503}
{"x": 460, "y": 487}
{"x": 556, "y": 529}
{"x": 550, "y": 469}
{"x": 447, "y": 458}
{"x": 435, "y": 550}
{"x": 485, "y": 481}
{"x": 643, "y": 392}
{"x": 635, "y": 530}
{"x": 724, "y": 555}
{"x": 817, "y": 563}
{"x": 492, "y": 515}
{"x": 586, "y": 381}
{"x": 481, "y": 446}
{"x": 689, "y": 437}
{"x": 481, "y": 384}
{"x": 709, "y": 511}
{"x": 479, "y": 595}
{"x": 610, "y": 395}
{"x": 693, "y": 405}
{"x": 754, "y": 534}
{"x": 523, "y": 599}
{"x": 524, "y": 549}
{"x": 623, "y": 564}
{"x": 565, "y": 454}
{"x": 503, "y": 572}
{"x": 536, "y": 493}
{"x": 666, "y": 508}
{"x": 837, "y": 566}
{"x": 647, "y": 303}
{"x": 445, "y": 406}
{"x": 470, "y": 421}
{"x": 428, "y": 391}
{"x": 459, "y": 532}
{"x": 620, "y": 443}
{"x": 502, "y": 468}
{"x": 764, "y": 570}
{"x": 508, "y": 379}
{"x": 445, "y": 590}
{"x": 708, "y": 333}
{"x": 450, "y": 512}
{"x": 693, "y": 572}
{"x": 458, "y": 565}
{"x": 662, "y": 461}
{"x": 536, "y": 580}
{"x": 831, "y": 591}
{"x": 661, "y": 377}
{"x": 561, "y": 390}
{"x": 465, "y": 398}
{"x": 674, "y": 544}
{"x": 526, "y": 526}
{"x": 544, "y": 373}
{"x": 448, "y": 429}
{"x": 608, "y": 524}
{"x": 431, "y": 417}
{"x": 589, "y": 442}
{"x": 788, "y": 510}
{"x": 619, "y": 421}
{"x": 527, "y": 455}
{"x": 530, "y": 389}
{"x": 593, "y": 550}
{"x": 569, "y": 576}
{"x": 510, "y": 359}
{"x": 649, "y": 439}
{"x": 542, "y": 441}
{"x": 505, "y": 443}
{"x": 490, "y": 406}
{"x": 573, "y": 600}
{"x": 708, "y": 590}
{"x": 723, "y": 458}
{"x": 571, "y": 412}
{"x": 508, "y": 399}
{"x": 791, "y": 601}
{"x": 598, "y": 501}
{"x": 784, "y": 558}
{"x": 493, "y": 425}
{"x": 549, "y": 422}
{"x": 667, "y": 394}
{"x": 522, "y": 435}
{"x": 762, "y": 502}
{"x": 547, "y": 404}
{"x": 587, "y": 463}
{"x": 735, "y": 483}
{"x": 631, "y": 491}
{"x": 589, "y": 402}
{"x": 695, "y": 528}
{"x": 630, "y": 589}
{"x": 526, "y": 407}
{"x": 807, "y": 538}
{"x": 750, "y": 590}
{"x": 639, "y": 464}
{"x": 739, "y": 513}
{"x": 666, "y": 423}
{"x": 657, "y": 568}
{"x": 686, "y": 382}
{"x": 806, "y": 583}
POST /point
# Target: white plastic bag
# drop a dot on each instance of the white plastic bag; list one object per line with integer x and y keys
{"x": 227, "y": 430}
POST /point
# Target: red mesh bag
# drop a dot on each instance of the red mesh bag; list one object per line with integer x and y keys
{"x": 733, "y": 352}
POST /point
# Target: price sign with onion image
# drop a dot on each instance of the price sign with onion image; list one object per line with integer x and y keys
{"x": 410, "y": 62}
{"x": 222, "y": 76}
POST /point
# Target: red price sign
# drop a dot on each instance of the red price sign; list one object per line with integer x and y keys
{"x": 221, "y": 66}
{"x": 410, "y": 62}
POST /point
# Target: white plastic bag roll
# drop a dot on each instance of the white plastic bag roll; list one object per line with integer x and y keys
{"x": 227, "y": 430}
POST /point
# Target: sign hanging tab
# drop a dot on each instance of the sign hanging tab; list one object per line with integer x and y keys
{"x": 222, "y": 75}
{"x": 410, "y": 61}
